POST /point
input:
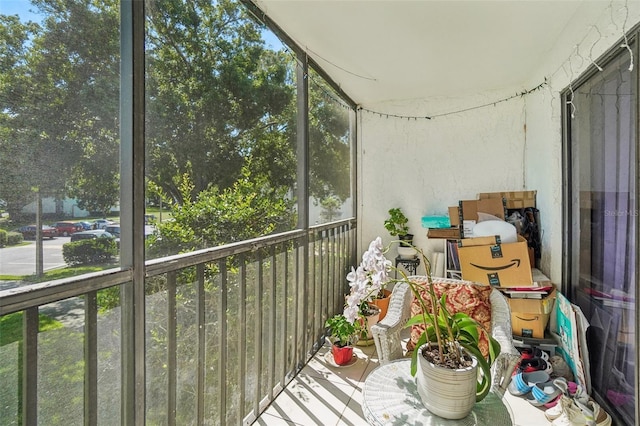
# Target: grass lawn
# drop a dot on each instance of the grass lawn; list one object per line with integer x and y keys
{"x": 11, "y": 327}
{"x": 57, "y": 274}
{"x": 11, "y": 277}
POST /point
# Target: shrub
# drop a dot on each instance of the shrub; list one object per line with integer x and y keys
{"x": 87, "y": 252}
{"x": 3, "y": 238}
{"x": 14, "y": 238}
{"x": 109, "y": 298}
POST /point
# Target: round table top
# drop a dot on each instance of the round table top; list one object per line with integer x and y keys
{"x": 390, "y": 397}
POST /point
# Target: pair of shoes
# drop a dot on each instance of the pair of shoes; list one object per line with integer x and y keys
{"x": 570, "y": 392}
{"x": 543, "y": 393}
{"x": 522, "y": 383}
{"x": 568, "y": 389}
{"x": 589, "y": 414}
{"x": 533, "y": 359}
{"x": 534, "y": 364}
{"x": 534, "y": 352}
{"x": 562, "y": 405}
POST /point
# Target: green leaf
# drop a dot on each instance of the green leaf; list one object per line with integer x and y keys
{"x": 419, "y": 319}
{"x": 414, "y": 356}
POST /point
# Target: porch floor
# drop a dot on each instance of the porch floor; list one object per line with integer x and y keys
{"x": 322, "y": 394}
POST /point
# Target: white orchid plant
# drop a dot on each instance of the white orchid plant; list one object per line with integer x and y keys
{"x": 367, "y": 281}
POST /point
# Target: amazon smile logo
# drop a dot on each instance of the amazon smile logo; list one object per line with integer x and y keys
{"x": 514, "y": 262}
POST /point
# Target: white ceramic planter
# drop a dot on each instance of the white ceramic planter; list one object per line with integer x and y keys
{"x": 447, "y": 393}
{"x": 407, "y": 252}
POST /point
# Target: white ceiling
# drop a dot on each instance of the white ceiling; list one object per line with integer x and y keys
{"x": 393, "y": 50}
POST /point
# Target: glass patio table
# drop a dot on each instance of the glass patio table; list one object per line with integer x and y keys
{"x": 390, "y": 397}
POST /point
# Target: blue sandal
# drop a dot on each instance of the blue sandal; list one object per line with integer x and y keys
{"x": 543, "y": 393}
{"x": 522, "y": 383}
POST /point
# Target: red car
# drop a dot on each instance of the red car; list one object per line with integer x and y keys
{"x": 29, "y": 232}
{"x": 64, "y": 229}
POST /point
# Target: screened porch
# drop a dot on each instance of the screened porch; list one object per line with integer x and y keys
{"x": 268, "y": 140}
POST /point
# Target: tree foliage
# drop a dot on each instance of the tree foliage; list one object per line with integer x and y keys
{"x": 216, "y": 97}
{"x": 329, "y": 144}
{"x": 221, "y": 107}
{"x": 60, "y": 96}
{"x": 250, "y": 208}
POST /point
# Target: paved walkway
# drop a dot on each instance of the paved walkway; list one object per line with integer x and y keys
{"x": 70, "y": 312}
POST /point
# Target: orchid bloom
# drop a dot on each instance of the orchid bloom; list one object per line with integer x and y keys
{"x": 368, "y": 279}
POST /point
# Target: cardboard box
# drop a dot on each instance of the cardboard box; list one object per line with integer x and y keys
{"x": 451, "y": 233}
{"x": 454, "y": 216}
{"x": 529, "y": 317}
{"x": 513, "y": 199}
{"x": 529, "y": 325}
{"x": 468, "y": 209}
{"x": 533, "y": 306}
{"x": 486, "y": 260}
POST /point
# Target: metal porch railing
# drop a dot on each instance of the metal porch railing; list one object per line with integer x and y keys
{"x": 225, "y": 330}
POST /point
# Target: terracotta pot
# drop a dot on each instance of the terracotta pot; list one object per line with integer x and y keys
{"x": 371, "y": 320}
{"x": 342, "y": 355}
{"x": 445, "y": 392}
{"x": 383, "y": 304}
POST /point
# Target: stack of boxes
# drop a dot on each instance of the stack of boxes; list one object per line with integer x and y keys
{"x": 506, "y": 266}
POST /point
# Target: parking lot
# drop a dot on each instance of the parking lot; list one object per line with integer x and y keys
{"x": 21, "y": 260}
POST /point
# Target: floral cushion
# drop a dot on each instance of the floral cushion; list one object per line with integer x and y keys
{"x": 471, "y": 299}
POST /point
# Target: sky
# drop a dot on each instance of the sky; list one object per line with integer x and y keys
{"x": 22, "y": 9}
{"x": 18, "y": 7}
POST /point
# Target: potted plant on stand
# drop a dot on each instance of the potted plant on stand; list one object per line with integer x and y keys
{"x": 396, "y": 225}
{"x": 448, "y": 355}
{"x": 342, "y": 334}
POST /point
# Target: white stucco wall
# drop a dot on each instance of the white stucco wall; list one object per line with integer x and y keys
{"x": 424, "y": 166}
{"x": 69, "y": 207}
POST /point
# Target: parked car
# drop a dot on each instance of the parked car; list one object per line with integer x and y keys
{"x": 101, "y": 223}
{"x": 149, "y": 230}
{"x": 65, "y": 229}
{"x": 87, "y": 235}
{"x": 113, "y": 229}
{"x": 29, "y": 232}
{"x": 86, "y": 226}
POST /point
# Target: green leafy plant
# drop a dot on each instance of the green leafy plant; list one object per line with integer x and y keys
{"x": 342, "y": 331}
{"x": 89, "y": 252}
{"x": 447, "y": 333}
{"x": 396, "y": 223}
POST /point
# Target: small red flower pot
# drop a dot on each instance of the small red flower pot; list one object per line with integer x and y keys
{"x": 342, "y": 355}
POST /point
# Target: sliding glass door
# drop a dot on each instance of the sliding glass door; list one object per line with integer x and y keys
{"x": 602, "y": 218}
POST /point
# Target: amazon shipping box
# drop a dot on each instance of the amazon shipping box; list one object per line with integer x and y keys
{"x": 467, "y": 213}
{"x": 486, "y": 260}
{"x": 529, "y": 317}
{"x": 513, "y": 199}
{"x": 469, "y": 209}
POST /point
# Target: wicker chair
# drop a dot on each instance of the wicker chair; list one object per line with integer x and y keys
{"x": 388, "y": 340}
